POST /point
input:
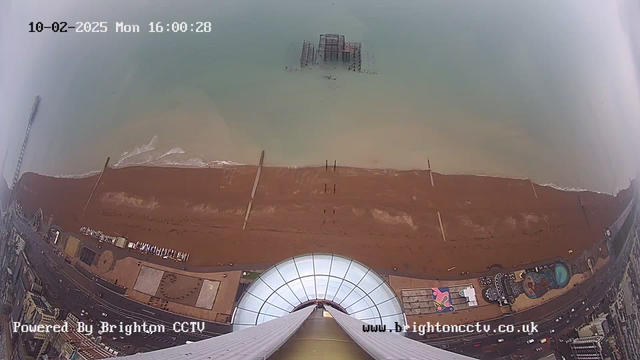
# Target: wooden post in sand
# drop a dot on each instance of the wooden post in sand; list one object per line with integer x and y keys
{"x": 584, "y": 211}
{"x": 533, "y": 188}
{"x": 430, "y": 172}
{"x": 444, "y": 237}
{"x": 106, "y": 164}
{"x": 253, "y": 192}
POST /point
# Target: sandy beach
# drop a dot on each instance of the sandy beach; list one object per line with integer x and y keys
{"x": 384, "y": 218}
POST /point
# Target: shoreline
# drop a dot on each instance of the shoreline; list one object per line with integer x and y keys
{"x": 238, "y": 165}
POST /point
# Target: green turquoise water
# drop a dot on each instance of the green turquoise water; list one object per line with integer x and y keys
{"x": 544, "y": 91}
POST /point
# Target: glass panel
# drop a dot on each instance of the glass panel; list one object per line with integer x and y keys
{"x": 309, "y": 286}
{"x": 278, "y": 301}
{"x": 296, "y": 286}
{"x": 321, "y": 286}
{"x": 370, "y": 282}
{"x": 269, "y": 309}
{"x": 246, "y": 317}
{"x": 272, "y": 278}
{"x": 260, "y": 289}
{"x": 360, "y": 305}
{"x": 322, "y": 264}
{"x": 340, "y": 266}
{"x": 368, "y": 315}
{"x": 286, "y": 293}
{"x": 355, "y": 295}
{"x": 356, "y": 273}
{"x": 344, "y": 290}
{"x": 237, "y": 327}
{"x": 250, "y": 302}
{"x": 381, "y": 294}
{"x": 333, "y": 287}
{"x": 305, "y": 265}
{"x": 264, "y": 318}
{"x": 288, "y": 270}
{"x": 390, "y": 307}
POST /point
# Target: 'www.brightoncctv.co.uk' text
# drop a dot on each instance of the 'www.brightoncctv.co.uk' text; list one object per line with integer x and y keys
{"x": 428, "y": 328}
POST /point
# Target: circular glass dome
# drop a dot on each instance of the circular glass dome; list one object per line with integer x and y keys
{"x": 342, "y": 282}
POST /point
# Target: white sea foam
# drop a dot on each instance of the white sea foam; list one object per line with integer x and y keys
{"x": 78, "y": 176}
{"x": 199, "y": 163}
{"x": 173, "y": 151}
{"x": 146, "y": 155}
{"x": 569, "y": 188}
{"x": 144, "y": 149}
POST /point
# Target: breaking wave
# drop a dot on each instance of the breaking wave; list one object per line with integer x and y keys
{"x": 569, "y": 188}
{"x": 173, "y": 151}
{"x": 78, "y": 176}
{"x": 148, "y": 155}
{"x": 137, "y": 151}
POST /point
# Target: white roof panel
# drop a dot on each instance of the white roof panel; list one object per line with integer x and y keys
{"x": 344, "y": 282}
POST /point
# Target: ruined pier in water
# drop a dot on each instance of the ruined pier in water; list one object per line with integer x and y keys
{"x": 308, "y": 54}
{"x": 332, "y": 48}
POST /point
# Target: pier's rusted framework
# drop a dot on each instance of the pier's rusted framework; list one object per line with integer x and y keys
{"x": 332, "y": 47}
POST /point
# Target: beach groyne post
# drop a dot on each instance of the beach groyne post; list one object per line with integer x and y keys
{"x": 326, "y": 165}
{"x": 533, "y": 188}
{"x": 444, "y": 237}
{"x": 335, "y": 163}
{"x": 584, "y": 211}
{"x": 95, "y": 187}
{"x": 430, "y": 172}
{"x": 253, "y": 191}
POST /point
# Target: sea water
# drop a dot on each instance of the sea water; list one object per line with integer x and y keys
{"x": 546, "y": 91}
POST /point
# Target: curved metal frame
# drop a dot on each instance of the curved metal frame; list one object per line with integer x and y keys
{"x": 321, "y": 299}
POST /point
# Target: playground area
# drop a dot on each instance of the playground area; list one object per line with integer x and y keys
{"x": 177, "y": 288}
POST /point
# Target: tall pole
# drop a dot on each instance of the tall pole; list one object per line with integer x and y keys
{"x": 32, "y": 116}
{"x": 106, "y": 164}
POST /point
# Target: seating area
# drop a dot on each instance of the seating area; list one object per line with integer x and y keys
{"x": 164, "y": 253}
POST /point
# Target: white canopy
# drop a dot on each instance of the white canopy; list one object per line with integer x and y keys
{"x": 338, "y": 280}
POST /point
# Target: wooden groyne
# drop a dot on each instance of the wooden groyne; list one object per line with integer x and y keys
{"x": 106, "y": 165}
{"x": 253, "y": 191}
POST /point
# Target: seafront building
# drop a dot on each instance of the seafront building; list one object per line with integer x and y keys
{"x": 597, "y": 327}
{"x": 25, "y": 302}
{"x": 587, "y": 348}
{"x": 37, "y": 311}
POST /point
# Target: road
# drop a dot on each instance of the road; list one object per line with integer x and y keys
{"x": 73, "y": 291}
{"x": 554, "y": 318}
